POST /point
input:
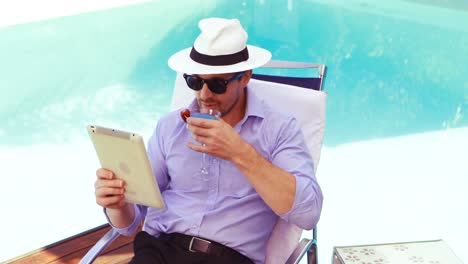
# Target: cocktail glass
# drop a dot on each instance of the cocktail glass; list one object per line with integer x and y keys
{"x": 207, "y": 114}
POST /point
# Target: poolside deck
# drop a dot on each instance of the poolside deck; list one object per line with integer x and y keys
{"x": 72, "y": 249}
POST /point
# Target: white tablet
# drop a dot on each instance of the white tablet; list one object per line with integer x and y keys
{"x": 124, "y": 153}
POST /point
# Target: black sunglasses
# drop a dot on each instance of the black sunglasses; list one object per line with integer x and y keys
{"x": 216, "y": 85}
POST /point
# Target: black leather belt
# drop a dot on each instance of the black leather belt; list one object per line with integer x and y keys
{"x": 197, "y": 244}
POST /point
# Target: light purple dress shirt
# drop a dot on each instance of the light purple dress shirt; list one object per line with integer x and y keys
{"x": 225, "y": 207}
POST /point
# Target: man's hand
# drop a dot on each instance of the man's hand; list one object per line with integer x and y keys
{"x": 218, "y": 137}
{"x": 109, "y": 191}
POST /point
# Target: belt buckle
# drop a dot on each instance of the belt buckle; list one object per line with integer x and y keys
{"x": 197, "y": 238}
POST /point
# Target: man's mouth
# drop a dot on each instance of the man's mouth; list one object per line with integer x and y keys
{"x": 208, "y": 105}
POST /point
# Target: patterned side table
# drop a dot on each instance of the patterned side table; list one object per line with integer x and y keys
{"x": 424, "y": 252}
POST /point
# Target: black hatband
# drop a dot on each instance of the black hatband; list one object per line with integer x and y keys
{"x": 219, "y": 60}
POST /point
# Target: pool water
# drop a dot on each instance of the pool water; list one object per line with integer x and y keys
{"x": 396, "y": 112}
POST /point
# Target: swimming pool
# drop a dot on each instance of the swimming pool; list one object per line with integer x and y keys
{"x": 396, "y": 115}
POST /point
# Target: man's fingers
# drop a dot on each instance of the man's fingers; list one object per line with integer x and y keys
{"x": 200, "y": 139}
{"x": 200, "y": 131}
{"x": 109, "y": 183}
{"x": 108, "y": 191}
{"x": 111, "y": 201}
{"x": 197, "y": 147}
{"x": 104, "y": 174}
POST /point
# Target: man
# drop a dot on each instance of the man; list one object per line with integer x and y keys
{"x": 259, "y": 165}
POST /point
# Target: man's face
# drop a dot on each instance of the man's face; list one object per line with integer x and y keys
{"x": 224, "y": 102}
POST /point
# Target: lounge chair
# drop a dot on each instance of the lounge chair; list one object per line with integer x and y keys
{"x": 308, "y": 106}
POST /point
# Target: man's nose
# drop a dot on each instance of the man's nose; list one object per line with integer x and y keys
{"x": 205, "y": 92}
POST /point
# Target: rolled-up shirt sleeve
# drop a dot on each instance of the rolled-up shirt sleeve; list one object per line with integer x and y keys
{"x": 292, "y": 155}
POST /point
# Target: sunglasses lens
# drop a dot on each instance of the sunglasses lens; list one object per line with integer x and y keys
{"x": 193, "y": 82}
{"x": 216, "y": 86}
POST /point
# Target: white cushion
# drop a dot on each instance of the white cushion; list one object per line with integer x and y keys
{"x": 308, "y": 106}
{"x": 182, "y": 96}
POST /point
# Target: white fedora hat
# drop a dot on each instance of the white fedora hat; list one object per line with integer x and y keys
{"x": 221, "y": 47}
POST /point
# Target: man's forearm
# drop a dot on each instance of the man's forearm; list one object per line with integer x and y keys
{"x": 122, "y": 217}
{"x": 276, "y": 186}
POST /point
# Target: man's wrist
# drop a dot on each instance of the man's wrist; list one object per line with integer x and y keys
{"x": 246, "y": 158}
{"x": 121, "y": 217}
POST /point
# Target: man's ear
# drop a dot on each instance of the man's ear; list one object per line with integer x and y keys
{"x": 246, "y": 78}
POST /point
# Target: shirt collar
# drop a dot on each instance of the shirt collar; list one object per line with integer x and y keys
{"x": 254, "y": 105}
{"x": 193, "y": 107}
